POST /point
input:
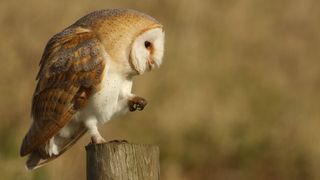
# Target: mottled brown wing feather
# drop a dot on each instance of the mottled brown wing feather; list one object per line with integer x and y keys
{"x": 70, "y": 71}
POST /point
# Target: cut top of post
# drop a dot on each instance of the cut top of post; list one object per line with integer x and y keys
{"x": 120, "y": 160}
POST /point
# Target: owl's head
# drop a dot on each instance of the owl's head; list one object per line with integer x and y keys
{"x": 134, "y": 40}
{"x": 147, "y": 50}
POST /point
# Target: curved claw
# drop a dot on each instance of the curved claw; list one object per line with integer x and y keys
{"x": 137, "y": 103}
{"x": 118, "y": 141}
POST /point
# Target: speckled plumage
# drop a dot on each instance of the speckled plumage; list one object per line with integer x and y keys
{"x": 67, "y": 71}
{"x": 85, "y": 78}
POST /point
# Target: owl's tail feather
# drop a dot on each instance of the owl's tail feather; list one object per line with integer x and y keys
{"x": 37, "y": 158}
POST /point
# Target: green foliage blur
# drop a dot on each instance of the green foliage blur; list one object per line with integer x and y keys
{"x": 237, "y": 97}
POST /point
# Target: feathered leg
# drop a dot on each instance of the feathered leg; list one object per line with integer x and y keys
{"x": 96, "y": 138}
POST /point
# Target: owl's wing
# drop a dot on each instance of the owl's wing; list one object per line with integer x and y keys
{"x": 70, "y": 71}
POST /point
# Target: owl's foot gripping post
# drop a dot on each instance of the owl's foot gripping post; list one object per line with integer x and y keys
{"x": 118, "y": 141}
{"x": 137, "y": 103}
{"x": 96, "y": 138}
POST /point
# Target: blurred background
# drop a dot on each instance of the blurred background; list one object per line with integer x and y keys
{"x": 237, "y": 97}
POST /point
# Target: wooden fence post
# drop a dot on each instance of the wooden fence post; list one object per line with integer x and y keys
{"x": 122, "y": 161}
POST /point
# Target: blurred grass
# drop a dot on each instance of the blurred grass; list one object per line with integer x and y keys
{"x": 237, "y": 96}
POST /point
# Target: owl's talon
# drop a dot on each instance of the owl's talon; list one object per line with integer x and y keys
{"x": 137, "y": 103}
{"x": 140, "y": 108}
{"x": 118, "y": 141}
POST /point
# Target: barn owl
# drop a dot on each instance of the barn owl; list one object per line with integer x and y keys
{"x": 85, "y": 79}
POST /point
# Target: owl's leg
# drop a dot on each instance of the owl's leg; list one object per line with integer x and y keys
{"x": 96, "y": 138}
{"x": 128, "y": 101}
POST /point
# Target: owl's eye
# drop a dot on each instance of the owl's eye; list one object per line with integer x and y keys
{"x": 147, "y": 44}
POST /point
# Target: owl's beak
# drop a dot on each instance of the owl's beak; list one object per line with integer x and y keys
{"x": 151, "y": 64}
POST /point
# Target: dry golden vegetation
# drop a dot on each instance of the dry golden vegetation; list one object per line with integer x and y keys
{"x": 237, "y": 97}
